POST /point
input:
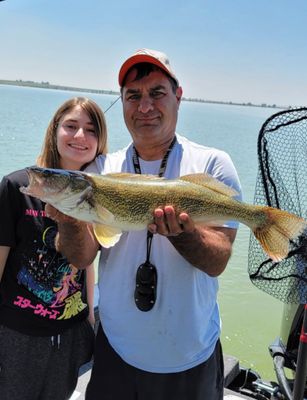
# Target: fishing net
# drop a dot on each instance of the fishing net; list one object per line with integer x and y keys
{"x": 282, "y": 183}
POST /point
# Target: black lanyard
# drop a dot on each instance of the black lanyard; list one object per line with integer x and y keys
{"x": 136, "y": 162}
{"x": 137, "y": 169}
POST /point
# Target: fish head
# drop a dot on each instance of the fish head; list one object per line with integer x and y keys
{"x": 50, "y": 185}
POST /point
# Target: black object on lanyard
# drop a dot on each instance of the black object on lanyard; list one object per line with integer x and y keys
{"x": 146, "y": 279}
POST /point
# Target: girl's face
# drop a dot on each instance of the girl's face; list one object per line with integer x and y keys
{"x": 76, "y": 139}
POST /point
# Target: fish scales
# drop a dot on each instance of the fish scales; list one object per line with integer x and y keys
{"x": 122, "y": 197}
{"x": 120, "y": 201}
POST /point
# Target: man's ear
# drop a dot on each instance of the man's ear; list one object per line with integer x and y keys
{"x": 179, "y": 93}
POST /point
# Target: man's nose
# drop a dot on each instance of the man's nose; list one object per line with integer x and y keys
{"x": 145, "y": 105}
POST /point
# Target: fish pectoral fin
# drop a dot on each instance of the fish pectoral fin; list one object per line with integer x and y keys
{"x": 106, "y": 235}
{"x": 210, "y": 182}
{"x": 105, "y": 216}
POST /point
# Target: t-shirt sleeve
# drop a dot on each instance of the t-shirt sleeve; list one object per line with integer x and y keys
{"x": 9, "y": 211}
{"x": 96, "y": 166}
{"x": 223, "y": 169}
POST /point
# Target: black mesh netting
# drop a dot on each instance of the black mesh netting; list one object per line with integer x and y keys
{"x": 282, "y": 183}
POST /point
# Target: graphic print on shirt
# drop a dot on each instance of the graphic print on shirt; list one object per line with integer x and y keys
{"x": 55, "y": 283}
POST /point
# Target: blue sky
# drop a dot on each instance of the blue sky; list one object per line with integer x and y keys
{"x": 229, "y": 50}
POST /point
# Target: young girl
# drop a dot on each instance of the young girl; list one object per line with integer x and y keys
{"x": 45, "y": 334}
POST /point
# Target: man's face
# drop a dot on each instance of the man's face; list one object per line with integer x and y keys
{"x": 150, "y": 107}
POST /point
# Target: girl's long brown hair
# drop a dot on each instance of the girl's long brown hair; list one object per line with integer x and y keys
{"x": 50, "y": 157}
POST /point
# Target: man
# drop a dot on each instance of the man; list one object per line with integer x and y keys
{"x": 160, "y": 325}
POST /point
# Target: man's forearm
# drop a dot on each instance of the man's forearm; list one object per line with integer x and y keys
{"x": 206, "y": 249}
{"x": 76, "y": 242}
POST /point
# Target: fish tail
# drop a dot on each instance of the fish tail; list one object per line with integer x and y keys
{"x": 275, "y": 235}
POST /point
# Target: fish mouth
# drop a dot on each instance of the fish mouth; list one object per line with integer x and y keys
{"x": 34, "y": 178}
{"x": 39, "y": 185}
{"x": 48, "y": 181}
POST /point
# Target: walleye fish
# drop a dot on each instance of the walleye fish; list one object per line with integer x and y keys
{"x": 119, "y": 202}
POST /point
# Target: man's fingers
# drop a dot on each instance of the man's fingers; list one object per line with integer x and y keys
{"x": 168, "y": 224}
{"x": 55, "y": 214}
{"x": 174, "y": 227}
{"x": 186, "y": 222}
{"x": 160, "y": 222}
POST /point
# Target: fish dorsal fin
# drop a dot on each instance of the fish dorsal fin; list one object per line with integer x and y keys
{"x": 129, "y": 176}
{"x": 106, "y": 235}
{"x": 120, "y": 175}
{"x": 209, "y": 182}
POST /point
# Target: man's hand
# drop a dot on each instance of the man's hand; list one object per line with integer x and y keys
{"x": 206, "y": 248}
{"x": 166, "y": 222}
{"x": 56, "y": 215}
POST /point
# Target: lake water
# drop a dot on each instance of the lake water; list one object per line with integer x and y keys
{"x": 251, "y": 318}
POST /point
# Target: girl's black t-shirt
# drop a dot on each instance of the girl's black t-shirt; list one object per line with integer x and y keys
{"x": 41, "y": 293}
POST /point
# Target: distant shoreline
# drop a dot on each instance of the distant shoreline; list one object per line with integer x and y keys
{"x": 47, "y": 85}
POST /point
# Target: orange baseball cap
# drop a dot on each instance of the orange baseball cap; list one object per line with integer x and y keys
{"x": 146, "y": 56}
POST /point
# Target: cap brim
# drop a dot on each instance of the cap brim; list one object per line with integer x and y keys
{"x": 137, "y": 59}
